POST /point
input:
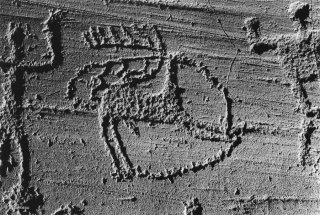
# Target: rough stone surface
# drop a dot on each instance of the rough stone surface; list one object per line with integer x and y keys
{"x": 159, "y": 107}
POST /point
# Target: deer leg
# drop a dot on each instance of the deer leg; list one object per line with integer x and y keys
{"x": 126, "y": 167}
{"x": 132, "y": 126}
{"x": 5, "y": 150}
{"x": 105, "y": 123}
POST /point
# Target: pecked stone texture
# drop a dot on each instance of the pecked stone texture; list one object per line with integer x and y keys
{"x": 159, "y": 107}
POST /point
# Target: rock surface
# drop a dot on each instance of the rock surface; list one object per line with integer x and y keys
{"x": 159, "y": 107}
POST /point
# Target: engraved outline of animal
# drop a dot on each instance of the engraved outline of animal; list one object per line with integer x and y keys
{"x": 121, "y": 102}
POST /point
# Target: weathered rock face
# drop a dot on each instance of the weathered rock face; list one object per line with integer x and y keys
{"x": 159, "y": 107}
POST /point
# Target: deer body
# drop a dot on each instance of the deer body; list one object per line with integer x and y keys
{"x": 122, "y": 102}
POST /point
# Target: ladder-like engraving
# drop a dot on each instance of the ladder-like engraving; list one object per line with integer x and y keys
{"x": 134, "y": 37}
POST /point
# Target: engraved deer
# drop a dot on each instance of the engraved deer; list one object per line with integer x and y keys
{"x": 121, "y": 101}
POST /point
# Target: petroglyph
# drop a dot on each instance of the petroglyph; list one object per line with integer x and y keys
{"x": 21, "y": 198}
{"x": 69, "y": 209}
{"x": 133, "y": 37}
{"x": 150, "y": 107}
{"x": 192, "y": 207}
{"x": 121, "y": 102}
{"x": 298, "y": 55}
{"x": 28, "y": 200}
{"x": 307, "y": 128}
